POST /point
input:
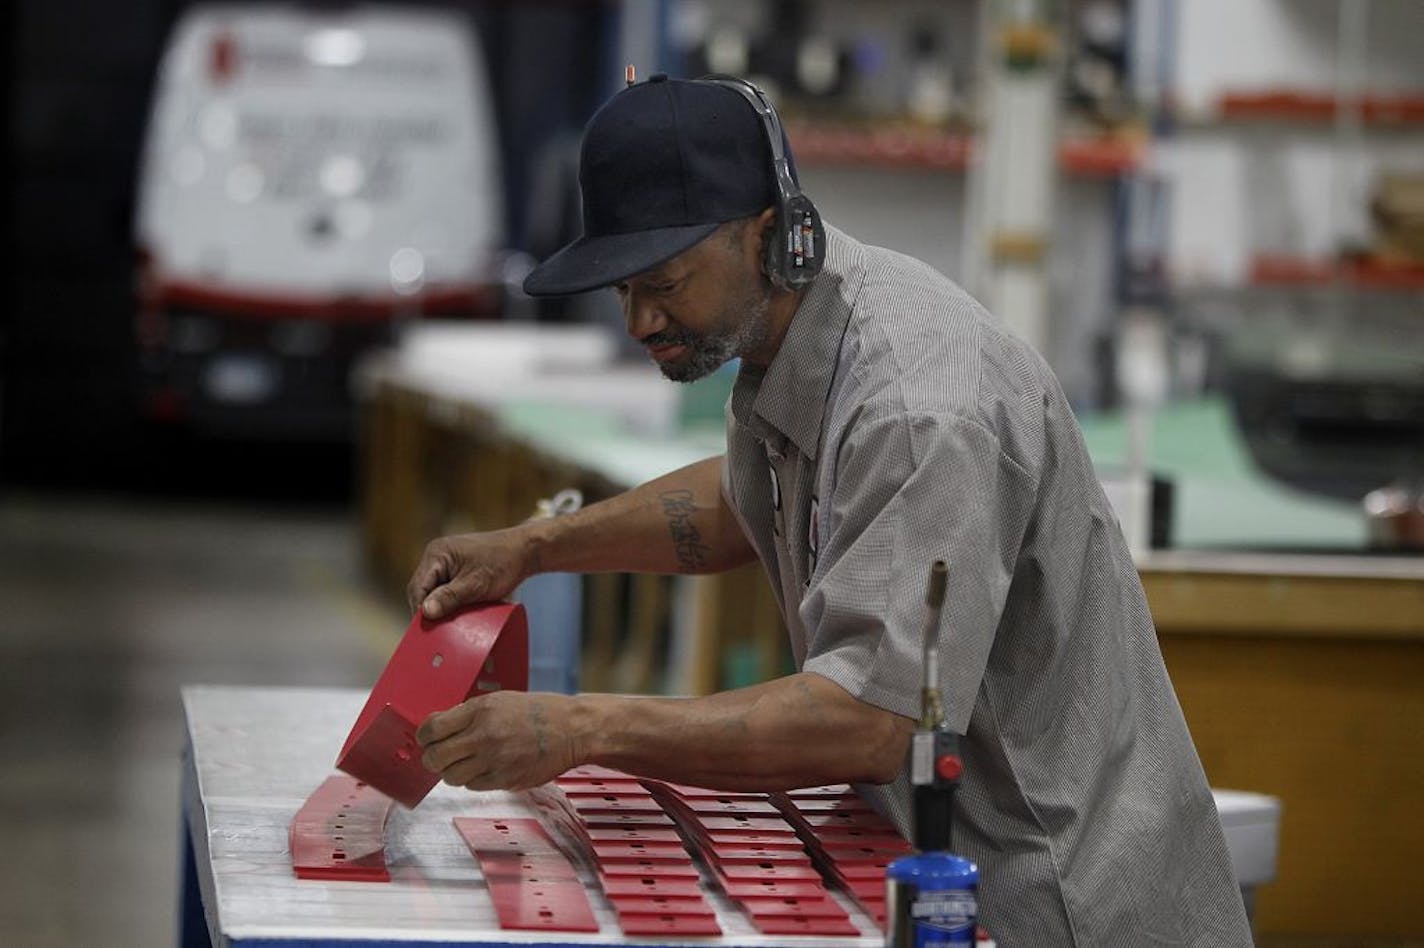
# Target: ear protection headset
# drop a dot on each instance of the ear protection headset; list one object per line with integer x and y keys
{"x": 796, "y": 249}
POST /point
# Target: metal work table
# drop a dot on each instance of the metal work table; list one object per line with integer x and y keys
{"x": 253, "y": 756}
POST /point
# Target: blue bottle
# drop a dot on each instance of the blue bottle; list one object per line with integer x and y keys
{"x": 931, "y": 901}
{"x": 555, "y": 605}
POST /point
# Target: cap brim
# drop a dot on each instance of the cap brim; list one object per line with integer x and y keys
{"x": 593, "y": 262}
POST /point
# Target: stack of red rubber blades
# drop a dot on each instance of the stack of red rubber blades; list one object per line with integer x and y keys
{"x": 851, "y": 843}
{"x": 340, "y": 833}
{"x": 531, "y": 882}
{"x": 646, "y": 872}
{"x": 757, "y": 859}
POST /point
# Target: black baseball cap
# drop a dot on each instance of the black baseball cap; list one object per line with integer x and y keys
{"x": 664, "y": 162}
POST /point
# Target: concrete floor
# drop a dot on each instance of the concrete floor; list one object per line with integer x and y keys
{"x": 107, "y": 607}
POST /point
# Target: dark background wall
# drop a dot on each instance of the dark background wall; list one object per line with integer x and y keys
{"x": 79, "y": 74}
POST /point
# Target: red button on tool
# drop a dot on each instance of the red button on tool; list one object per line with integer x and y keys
{"x": 949, "y": 767}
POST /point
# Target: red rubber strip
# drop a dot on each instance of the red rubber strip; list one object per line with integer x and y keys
{"x": 615, "y": 886}
{"x": 837, "y": 839}
{"x": 636, "y": 923}
{"x": 592, "y": 821}
{"x": 823, "y": 907}
{"x": 753, "y": 824}
{"x": 798, "y": 888}
{"x": 634, "y": 834}
{"x": 755, "y": 872}
{"x": 802, "y": 925}
{"x": 842, "y": 853}
{"x": 707, "y": 806}
{"x": 532, "y": 884}
{"x": 758, "y": 854}
{"x": 610, "y": 805}
{"x": 661, "y": 905}
{"x": 435, "y": 666}
{"x": 628, "y": 785}
{"x": 647, "y": 867}
{"x": 863, "y": 889}
{"x": 634, "y": 849}
{"x": 853, "y": 805}
{"x": 522, "y": 835}
{"x": 549, "y": 867}
{"x": 839, "y": 820}
{"x": 339, "y": 833}
{"x": 560, "y": 906}
{"x": 828, "y": 792}
{"x": 763, "y": 840}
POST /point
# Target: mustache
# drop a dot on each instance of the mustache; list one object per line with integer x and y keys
{"x": 670, "y": 337}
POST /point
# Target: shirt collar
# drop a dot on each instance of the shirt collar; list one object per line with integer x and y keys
{"x": 788, "y": 397}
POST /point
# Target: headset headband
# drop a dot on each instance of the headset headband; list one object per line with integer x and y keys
{"x": 794, "y": 258}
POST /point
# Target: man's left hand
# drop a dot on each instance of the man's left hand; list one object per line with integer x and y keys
{"x": 507, "y": 740}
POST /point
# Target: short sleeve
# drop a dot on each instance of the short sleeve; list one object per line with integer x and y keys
{"x": 910, "y": 488}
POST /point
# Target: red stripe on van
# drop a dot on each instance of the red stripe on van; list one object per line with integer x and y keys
{"x": 475, "y": 299}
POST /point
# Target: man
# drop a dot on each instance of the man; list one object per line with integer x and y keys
{"x": 881, "y": 420}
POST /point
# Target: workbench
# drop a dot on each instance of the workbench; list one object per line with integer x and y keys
{"x": 254, "y": 755}
{"x": 1296, "y": 655}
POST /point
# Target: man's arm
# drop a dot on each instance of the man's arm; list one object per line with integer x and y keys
{"x": 798, "y": 731}
{"x": 679, "y": 523}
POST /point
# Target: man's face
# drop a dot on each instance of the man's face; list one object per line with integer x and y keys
{"x": 702, "y": 308}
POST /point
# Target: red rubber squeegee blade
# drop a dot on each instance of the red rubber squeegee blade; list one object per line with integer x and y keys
{"x": 435, "y": 666}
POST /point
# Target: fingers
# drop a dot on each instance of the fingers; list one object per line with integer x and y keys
{"x": 434, "y": 569}
{"x": 457, "y": 592}
{"x": 444, "y": 724}
{"x": 440, "y": 584}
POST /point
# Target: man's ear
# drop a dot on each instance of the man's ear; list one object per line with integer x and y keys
{"x": 765, "y": 228}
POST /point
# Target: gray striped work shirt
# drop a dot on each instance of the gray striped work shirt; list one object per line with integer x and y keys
{"x": 900, "y": 424}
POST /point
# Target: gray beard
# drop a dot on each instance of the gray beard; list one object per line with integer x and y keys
{"x": 709, "y": 352}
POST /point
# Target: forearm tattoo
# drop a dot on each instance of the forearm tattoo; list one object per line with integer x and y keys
{"x": 538, "y": 722}
{"x": 678, "y": 507}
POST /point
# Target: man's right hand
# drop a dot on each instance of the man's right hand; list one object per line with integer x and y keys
{"x": 472, "y": 567}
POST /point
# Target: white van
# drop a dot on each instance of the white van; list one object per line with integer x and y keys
{"x": 310, "y": 178}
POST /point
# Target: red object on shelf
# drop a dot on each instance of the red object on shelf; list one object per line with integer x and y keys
{"x": 340, "y": 833}
{"x": 889, "y": 146}
{"x": 833, "y": 144}
{"x": 435, "y": 666}
{"x": 1101, "y": 156}
{"x": 1365, "y": 274}
{"x": 532, "y": 884}
{"x": 1299, "y": 106}
{"x": 1277, "y": 104}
